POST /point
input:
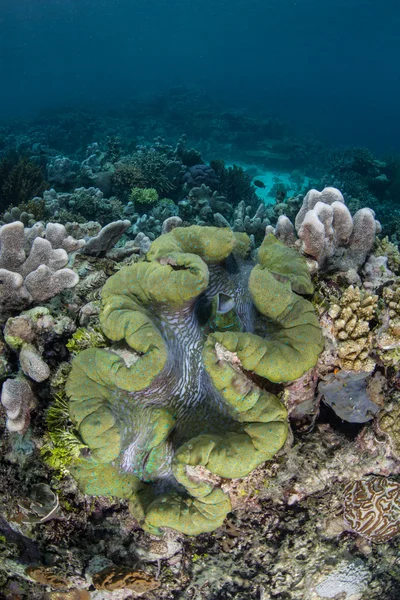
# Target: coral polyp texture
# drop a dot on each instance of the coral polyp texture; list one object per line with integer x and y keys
{"x": 183, "y": 398}
{"x": 352, "y": 316}
{"x": 372, "y": 508}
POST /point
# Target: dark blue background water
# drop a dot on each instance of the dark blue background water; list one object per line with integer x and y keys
{"x": 328, "y": 65}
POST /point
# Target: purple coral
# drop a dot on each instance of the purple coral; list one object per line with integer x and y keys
{"x": 199, "y": 174}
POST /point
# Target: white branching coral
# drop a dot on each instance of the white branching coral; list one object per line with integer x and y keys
{"x": 328, "y": 233}
{"x": 17, "y": 399}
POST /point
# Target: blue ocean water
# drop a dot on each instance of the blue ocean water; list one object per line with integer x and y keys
{"x": 329, "y": 67}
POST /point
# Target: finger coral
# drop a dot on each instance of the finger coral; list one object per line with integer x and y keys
{"x": 17, "y": 398}
{"x": 29, "y": 332}
{"x": 31, "y": 264}
{"x": 177, "y": 403}
{"x": 328, "y": 233}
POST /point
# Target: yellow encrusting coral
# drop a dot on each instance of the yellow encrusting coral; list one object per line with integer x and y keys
{"x": 352, "y": 316}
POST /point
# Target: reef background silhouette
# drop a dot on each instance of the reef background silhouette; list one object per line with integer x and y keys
{"x": 329, "y": 66}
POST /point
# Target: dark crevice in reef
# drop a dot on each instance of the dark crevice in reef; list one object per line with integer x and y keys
{"x": 327, "y": 415}
{"x": 262, "y": 383}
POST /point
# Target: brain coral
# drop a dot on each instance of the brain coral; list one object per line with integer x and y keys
{"x": 182, "y": 397}
{"x": 372, "y": 507}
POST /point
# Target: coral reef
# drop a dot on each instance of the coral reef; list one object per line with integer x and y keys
{"x": 388, "y": 423}
{"x": 29, "y": 333}
{"x": 15, "y": 214}
{"x": 234, "y": 184}
{"x": 62, "y": 171}
{"x": 143, "y": 195}
{"x": 349, "y": 578}
{"x": 201, "y": 204}
{"x": 391, "y": 251}
{"x": 20, "y": 180}
{"x": 81, "y": 205}
{"x": 199, "y": 175}
{"x": 181, "y": 364}
{"x": 204, "y": 447}
{"x": 153, "y": 166}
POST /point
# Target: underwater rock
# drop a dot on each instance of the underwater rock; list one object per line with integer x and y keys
{"x": 28, "y": 550}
